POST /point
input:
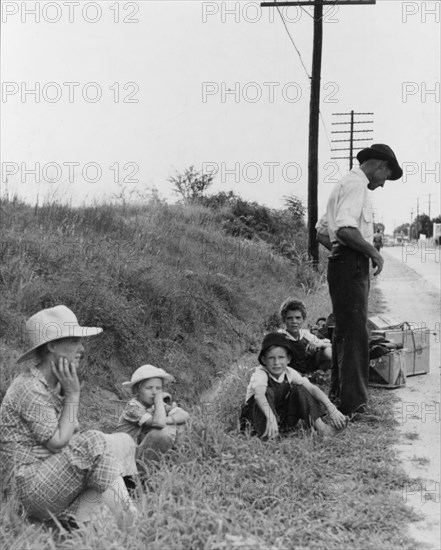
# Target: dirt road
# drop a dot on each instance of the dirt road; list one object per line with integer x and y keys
{"x": 410, "y": 283}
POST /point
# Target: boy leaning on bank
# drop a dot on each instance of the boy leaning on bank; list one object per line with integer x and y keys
{"x": 310, "y": 353}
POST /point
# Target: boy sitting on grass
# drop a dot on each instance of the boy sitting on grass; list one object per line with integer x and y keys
{"x": 150, "y": 417}
{"x": 278, "y": 396}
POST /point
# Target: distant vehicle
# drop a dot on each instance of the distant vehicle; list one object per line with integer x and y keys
{"x": 388, "y": 240}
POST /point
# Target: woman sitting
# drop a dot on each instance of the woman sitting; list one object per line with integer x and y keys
{"x": 57, "y": 470}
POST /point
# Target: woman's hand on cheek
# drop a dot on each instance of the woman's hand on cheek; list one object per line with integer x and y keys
{"x": 66, "y": 374}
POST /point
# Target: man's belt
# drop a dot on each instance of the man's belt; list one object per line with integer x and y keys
{"x": 339, "y": 248}
{"x": 336, "y": 246}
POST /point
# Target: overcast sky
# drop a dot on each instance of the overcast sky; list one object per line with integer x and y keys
{"x": 132, "y": 91}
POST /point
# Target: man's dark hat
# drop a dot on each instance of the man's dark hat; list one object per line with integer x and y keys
{"x": 382, "y": 152}
{"x": 273, "y": 339}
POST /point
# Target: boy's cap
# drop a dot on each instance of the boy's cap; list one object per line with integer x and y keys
{"x": 145, "y": 372}
{"x": 273, "y": 339}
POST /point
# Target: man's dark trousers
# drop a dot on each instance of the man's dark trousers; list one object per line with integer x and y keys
{"x": 348, "y": 279}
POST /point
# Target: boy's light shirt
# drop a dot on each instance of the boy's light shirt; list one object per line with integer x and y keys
{"x": 307, "y": 335}
{"x": 136, "y": 414}
{"x": 146, "y": 417}
{"x": 260, "y": 378}
{"x": 133, "y": 417}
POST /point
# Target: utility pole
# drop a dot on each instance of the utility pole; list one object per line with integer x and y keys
{"x": 314, "y": 107}
{"x": 351, "y": 132}
{"x": 430, "y": 221}
{"x": 417, "y": 219}
{"x": 314, "y": 114}
{"x": 410, "y": 228}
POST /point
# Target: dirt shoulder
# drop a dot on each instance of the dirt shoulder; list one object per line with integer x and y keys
{"x": 410, "y": 287}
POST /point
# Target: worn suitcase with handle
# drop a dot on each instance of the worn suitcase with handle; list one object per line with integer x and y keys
{"x": 388, "y": 371}
{"x": 416, "y": 340}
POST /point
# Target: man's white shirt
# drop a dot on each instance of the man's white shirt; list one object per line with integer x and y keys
{"x": 349, "y": 205}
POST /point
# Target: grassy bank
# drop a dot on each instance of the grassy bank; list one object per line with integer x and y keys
{"x": 166, "y": 283}
{"x": 171, "y": 287}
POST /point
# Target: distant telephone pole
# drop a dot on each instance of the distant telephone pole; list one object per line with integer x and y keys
{"x": 314, "y": 107}
{"x": 351, "y": 131}
{"x": 430, "y": 221}
{"x": 417, "y": 219}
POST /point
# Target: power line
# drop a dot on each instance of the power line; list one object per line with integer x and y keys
{"x": 304, "y": 67}
{"x": 351, "y": 132}
{"x": 326, "y": 131}
{"x": 293, "y": 43}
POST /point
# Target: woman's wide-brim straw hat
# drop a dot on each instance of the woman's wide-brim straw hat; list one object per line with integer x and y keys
{"x": 52, "y": 324}
{"x": 145, "y": 372}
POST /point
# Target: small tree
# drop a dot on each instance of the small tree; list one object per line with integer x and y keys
{"x": 379, "y": 227}
{"x": 422, "y": 225}
{"x": 191, "y": 185}
{"x": 403, "y": 228}
{"x": 295, "y": 207}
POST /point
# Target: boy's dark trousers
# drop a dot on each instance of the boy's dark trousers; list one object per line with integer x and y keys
{"x": 348, "y": 279}
{"x": 288, "y": 403}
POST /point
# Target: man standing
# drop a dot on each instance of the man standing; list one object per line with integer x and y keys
{"x": 347, "y": 230}
{"x": 378, "y": 240}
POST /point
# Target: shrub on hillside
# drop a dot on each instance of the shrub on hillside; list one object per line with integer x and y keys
{"x": 191, "y": 184}
{"x": 283, "y": 229}
{"x": 219, "y": 200}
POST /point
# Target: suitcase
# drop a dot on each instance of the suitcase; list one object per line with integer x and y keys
{"x": 388, "y": 371}
{"x": 417, "y": 343}
{"x": 381, "y": 322}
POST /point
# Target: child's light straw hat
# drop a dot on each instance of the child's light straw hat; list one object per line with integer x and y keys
{"x": 145, "y": 372}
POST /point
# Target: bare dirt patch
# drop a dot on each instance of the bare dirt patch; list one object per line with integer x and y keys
{"x": 410, "y": 287}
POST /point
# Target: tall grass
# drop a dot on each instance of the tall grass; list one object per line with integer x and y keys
{"x": 223, "y": 490}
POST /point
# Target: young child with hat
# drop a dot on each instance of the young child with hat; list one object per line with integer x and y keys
{"x": 278, "y": 396}
{"x": 150, "y": 417}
